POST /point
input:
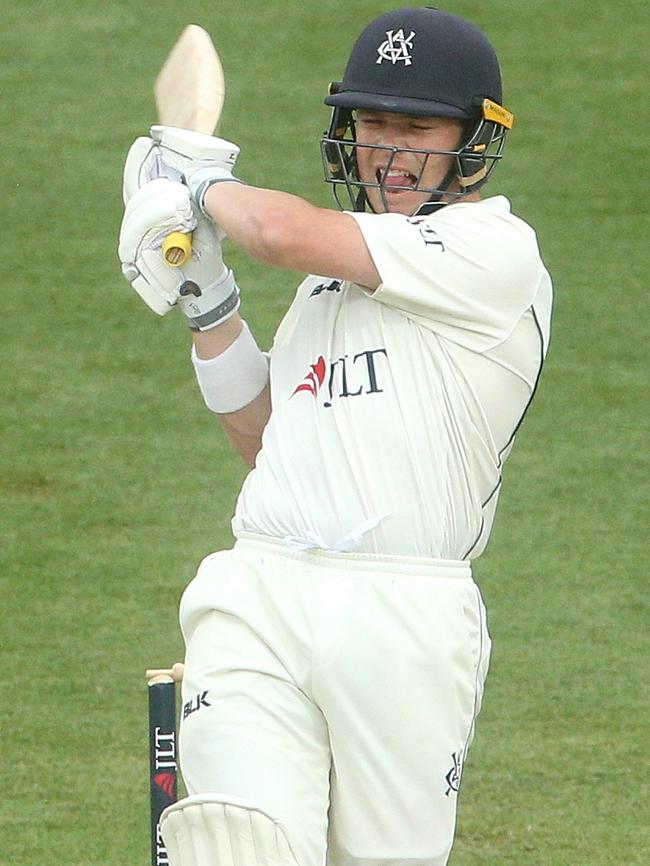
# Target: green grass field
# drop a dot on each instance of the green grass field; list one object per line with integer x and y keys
{"x": 115, "y": 481}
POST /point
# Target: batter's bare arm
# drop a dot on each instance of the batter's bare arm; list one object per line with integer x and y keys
{"x": 286, "y": 231}
{"x": 245, "y": 426}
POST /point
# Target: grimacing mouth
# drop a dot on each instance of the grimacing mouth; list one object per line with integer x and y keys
{"x": 395, "y": 179}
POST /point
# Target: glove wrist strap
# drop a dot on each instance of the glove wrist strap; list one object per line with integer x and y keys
{"x": 211, "y": 306}
{"x": 200, "y": 181}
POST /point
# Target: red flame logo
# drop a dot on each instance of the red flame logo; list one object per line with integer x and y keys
{"x": 166, "y": 781}
{"x": 314, "y": 379}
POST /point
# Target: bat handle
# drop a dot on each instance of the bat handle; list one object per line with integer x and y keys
{"x": 177, "y": 249}
{"x": 163, "y": 768}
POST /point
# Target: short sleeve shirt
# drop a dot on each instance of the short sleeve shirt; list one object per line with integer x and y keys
{"x": 394, "y": 411}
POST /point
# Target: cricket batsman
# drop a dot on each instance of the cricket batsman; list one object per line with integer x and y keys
{"x": 336, "y": 655}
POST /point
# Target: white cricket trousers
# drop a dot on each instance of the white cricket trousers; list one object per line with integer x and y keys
{"x": 337, "y": 692}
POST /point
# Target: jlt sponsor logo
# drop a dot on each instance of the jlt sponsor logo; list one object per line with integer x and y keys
{"x": 428, "y": 235}
{"x": 346, "y": 376}
{"x": 165, "y": 759}
{"x": 167, "y": 783}
{"x": 165, "y": 749}
{"x": 162, "y": 857}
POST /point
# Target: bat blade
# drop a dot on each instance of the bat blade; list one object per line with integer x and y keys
{"x": 190, "y": 87}
{"x": 189, "y": 92}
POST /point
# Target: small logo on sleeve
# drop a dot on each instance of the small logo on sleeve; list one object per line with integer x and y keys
{"x": 332, "y": 286}
{"x": 428, "y": 234}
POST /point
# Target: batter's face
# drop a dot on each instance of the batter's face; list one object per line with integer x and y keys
{"x": 387, "y": 129}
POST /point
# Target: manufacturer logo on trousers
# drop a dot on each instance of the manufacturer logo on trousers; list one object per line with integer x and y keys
{"x": 194, "y": 706}
{"x": 396, "y": 47}
{"x": 454, "y": 775}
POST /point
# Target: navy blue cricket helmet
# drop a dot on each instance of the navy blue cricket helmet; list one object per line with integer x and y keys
{"x": 420, "y": 61}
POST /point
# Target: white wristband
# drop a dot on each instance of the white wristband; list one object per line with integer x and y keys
{"x": 234, "y": 378}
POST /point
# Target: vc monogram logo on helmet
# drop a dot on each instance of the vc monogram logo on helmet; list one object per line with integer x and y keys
{"x": 396, "y": 47}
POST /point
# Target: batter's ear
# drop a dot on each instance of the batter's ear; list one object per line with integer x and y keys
{"x": 473, "y": 168}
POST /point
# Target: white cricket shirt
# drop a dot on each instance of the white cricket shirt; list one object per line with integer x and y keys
{"x": 393, "y": 412}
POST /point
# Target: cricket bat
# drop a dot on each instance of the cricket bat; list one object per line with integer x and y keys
{"x": 189, "y": 93}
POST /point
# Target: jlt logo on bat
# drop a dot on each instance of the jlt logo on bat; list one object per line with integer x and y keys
{"x": 162, "y": 857}
{"x": 164, "y": 743}
{"x": 164, "y": 749}
{"x": 346, "y": 376}
{"x": 167, "y": 783}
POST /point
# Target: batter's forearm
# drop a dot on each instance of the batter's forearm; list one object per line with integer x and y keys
{"x": 267, "y": 224}
{"x": 212, "y": 343}
{"x": 286, "y": 231}
{"x": 244, "y": 428}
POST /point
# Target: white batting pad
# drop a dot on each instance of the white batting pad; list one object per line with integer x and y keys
{"x": 220, "y": 830}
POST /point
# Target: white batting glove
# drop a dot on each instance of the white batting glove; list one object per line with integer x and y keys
{"x": 179, "y": 155}
{"x": 203, "y": 288}
{"x": 140, "y": 167}
{"x": 202, "y": 159}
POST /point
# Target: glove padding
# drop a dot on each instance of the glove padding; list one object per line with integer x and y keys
{"x": 202, "y": 159}
{"x": 203, "y": 288}
{"x": 179, "y": 155}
